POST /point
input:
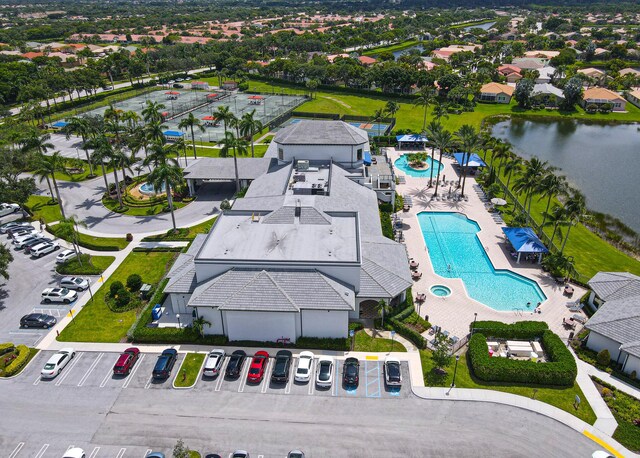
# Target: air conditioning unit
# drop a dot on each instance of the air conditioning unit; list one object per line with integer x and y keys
{"x": 303, "y": 165}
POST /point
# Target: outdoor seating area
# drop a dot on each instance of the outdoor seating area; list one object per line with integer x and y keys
{"x": 523, "y": 241}
{"x": 517, "y": 349}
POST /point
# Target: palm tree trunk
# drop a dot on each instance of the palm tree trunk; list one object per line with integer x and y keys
{"x": 544, "y": 217}
{"x": 50, "y": 188}
{"x": 55, "y": 185}
{"x": 235, "y": 163}
{"x": 431, "y": 172}
{"x": 252, "y": 155}
{"x": 115, "y": 176}
{"x": 104, "y": 175}
{"x": 424, "y": 118}
{"x": 170, "y": 202}
{"x": 193, "y": 143}
{"x": 555, "y": 228}
{"x": 464, "y": 173}
{"x": 86, "y": 152}
{"x": 438, "y": 177}
{"x": 566, "y": 237}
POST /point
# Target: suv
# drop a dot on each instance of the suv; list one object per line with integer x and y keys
{"x": 35, "y": 242}
{"x": 213, "y": 364}
{"x": 58, "y": 295}
{"x": 126, "y": 361}
{"x": 44, "y": 248}
{"x": 37, "y": 320}
{"x": 280, "y": 373}
{"x": 166, "y": 360}
{"x": 20, "y": 241}
{"x": 392, "y": 372}
{"x": 76, "y": 283}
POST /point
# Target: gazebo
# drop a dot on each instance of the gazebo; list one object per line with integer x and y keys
{"x": 173, "y": 135}
{"x": 471, "y": 160}
{"x": 413, "y": 140}
{"x": 524, "y": 240}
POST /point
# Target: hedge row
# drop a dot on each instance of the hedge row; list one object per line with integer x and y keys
{"x": 561, "y": 370}
{"x": 6, "y": 348}
{"x": 159, "y": 249}
{"x": 18, "y": 364}
{"x": 519, "y": 330}
{"x": 85, "y": 243}
{"x": 408, "y": 333}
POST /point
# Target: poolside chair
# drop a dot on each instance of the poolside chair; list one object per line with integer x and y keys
{"x": 576, "y": 307}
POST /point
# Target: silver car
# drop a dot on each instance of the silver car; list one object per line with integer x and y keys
{"x": 58, "y": 295}
{"x": 75, "y": 283}
{"x": 213, "y": 363}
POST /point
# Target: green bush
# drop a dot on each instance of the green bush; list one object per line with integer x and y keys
{"x": 408, "y": 333}
{"x": 18, "y": 363}
{"x": 134, "y": 282}
{"x": 355, "y": 326}
{"x": 322, "y": 343}
{"x": 6, "y": 348}
{"x": 122, "y": 298}
{"x": 519, "y": 330}
{"x": 115, "y": 287}
{"x": 604, "y": 357}
{"x": 387, "y": 226}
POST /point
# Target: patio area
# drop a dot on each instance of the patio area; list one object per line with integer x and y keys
{"x": 455, "y": 311}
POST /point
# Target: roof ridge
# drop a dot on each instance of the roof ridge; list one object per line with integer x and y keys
{"x": 239, "y": 289}
{"x": 275, "y": 283}
{"x": 324, "y": 278}
{"x": 383, "y": 268}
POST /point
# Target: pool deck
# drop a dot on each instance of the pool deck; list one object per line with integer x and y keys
{"x": 455, "y": 312}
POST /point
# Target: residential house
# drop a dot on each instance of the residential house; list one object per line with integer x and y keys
{"x": 512, "y": 73}
{"x": 542, "y": 54}
{"x": 616, "y": 324}
{"x": 629, "y": 71}
{"x": 634, "y": 97}
{"x": 592, "y": 73}
{"x": 496, "y": 93}
{"x": 529, "y": 63}
{"x": 545, "y": 74}
{"x": 367, "y": 61}
{"x": 546, "y": 94}
{"x": 600, "y": 96}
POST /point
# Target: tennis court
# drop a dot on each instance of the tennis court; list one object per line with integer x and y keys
{"x": 372, "y": 129}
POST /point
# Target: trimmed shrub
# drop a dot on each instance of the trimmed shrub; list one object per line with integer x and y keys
{"x": 122, "y": 298}
{"x": 408, "y": 333}
{"x": 18, "y": 363}
{"x": 129, "y": 237}
{"x": 604, "y": 357}
{"x": 134, "y": 282}
{"x": 115, "y": 287}
{"x": 6, "y": 348}
{"x": 519, "y": 330}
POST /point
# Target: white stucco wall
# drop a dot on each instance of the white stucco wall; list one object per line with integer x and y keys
{"x": 598, "y": 342}
{"x": 265, "y": 326}
{"x": 179, "y": 303}
{"x": 633, "y": 364}
{"x": 325, "y": 323}
{"x": 214, "y": 317}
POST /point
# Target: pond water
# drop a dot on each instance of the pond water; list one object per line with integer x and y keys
{"x": 599, "y": 159}
{"x": 397, "y": 54}
{"x": 485, "y": 26}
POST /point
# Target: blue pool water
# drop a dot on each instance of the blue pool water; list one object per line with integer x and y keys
{"x": 147, "y": 188}
{"x": 456, "y": 252}
{"x": 402, "y": 164}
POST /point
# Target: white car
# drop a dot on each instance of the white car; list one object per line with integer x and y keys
{"x": 213, "y": 363}
{"x": 58, "y": 295}
{"x": 75, "y": 283}
{"x": 65, "y": 255}
{"x": 57, "y": 362}
{"x": 303, "y": 371}
{"x": 21, "y": 240}
{"x": 324, "y": 371}
{"x": 75, "y": 452}
{"x": 7, "y": 209}
{"x": 392, "y": 372}
{"x": 44, "y": 248}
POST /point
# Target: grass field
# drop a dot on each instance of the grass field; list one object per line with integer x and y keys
{"x": 187, "y": 233}
{"x": 91, "y": 265}
{"x": 259, "y": 151}
{"x": 42, "y": 207}
{"x": 189, "y": 370}
{"x": 390, "y": 48}
{"x": 364, "y": 342}
{"x": 96, "y": 322}
{"x": 560, "y": 397}
{"x": 96, "y": 243}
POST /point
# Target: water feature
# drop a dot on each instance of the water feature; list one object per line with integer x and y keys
{"x": 456, "y": 252}
{"x": 402, "y": 164}
{"x": 440, "y": 290}
{"x": 148, "y": 189}
{"x": 484, "y": 26}
{"x": 398, "y": 53}
{"x": 599, "y": 159}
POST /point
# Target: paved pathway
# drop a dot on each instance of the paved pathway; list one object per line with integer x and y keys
{"x": 611, "y": 380}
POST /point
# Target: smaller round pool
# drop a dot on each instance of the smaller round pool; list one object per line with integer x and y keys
{"x": 147, "y": 188}
{"x": 440, "y": 290}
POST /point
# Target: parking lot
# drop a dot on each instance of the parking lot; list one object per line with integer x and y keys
{"x": 56, "y": 449}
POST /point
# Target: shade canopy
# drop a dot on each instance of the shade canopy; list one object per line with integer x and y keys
{"x": 255, "y": 97}
{"x": 172, "y": 93}
{"x": 524, "y": 240}
{"x": 367, "y": 158}
{"x": 472, "y": 160}
{"x": 173, "y": 133}
{"x": 411, "y": 138}
{"x": 212, "y": 95}
{"x": 60, "y": 124}
{"x": 208, "y": 118}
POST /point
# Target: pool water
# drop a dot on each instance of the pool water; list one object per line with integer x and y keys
{"x": 147, "y": 188}
{"x": 456, "y": 252}
{"x": 402, "y": 164}
{"x": 440, "y": 290}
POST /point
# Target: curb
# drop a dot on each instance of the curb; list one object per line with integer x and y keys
{"x": 173, "y": 383}
{"x": 24, "y": 368}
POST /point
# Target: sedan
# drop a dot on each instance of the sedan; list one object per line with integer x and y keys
{"x": 392, "y": 372}
{"x": 75, "y": 283}
{"x": 165, "y": 363}
{"x": 20, "y": 230}
{"x": 57, "y": 362}
{"x": 240, "y": 454}
{"x": 295, "y": 454}
{"x": 58, "y": 295}
{"x": 126, "y": 361}
{"x": 75, "y": 452}
{"x": 65, "y": 256}
{"x": 37, "y": 320}
{"x": 280, "y": 373}
{"x": 35, "y": 242}
{"x": 155, "y": 455}
{"x": 19, "y": 240}
{"x": 7, "y": 209}
{"x": 236, "y": 360}
{"x": 324, "y": 371}
{"x": 258, "y": 363}
{"x": 350, "y": 372}
{"x": 213, "y": 363}
{"x": 303, "y": 371}
{"x": 5, "y": 227}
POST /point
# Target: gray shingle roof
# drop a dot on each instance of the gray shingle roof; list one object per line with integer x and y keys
{"x": 615, "y": 285}
{"x": 309, "y": 215}
{"x": 223, "y": 168}
{"x": 273, "y": 290}
{"x": 633, "y": 348}
{"x": 386, "y": 262}
{"x": 309, "y": 132}
{"x": 617, "y": 319}
{"x": 182, "y": 276}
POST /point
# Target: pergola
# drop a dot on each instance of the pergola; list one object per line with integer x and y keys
{"x": 411, "y": 140}
{"x": 524, "y": 240}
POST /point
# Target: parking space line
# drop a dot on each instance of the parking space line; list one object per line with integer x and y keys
{"x": 243, "y": 375}
{"x": 121, "y": 453}
{"x": 147, "y": 452}
{"x": 223, "y": 369}
{"x": 16, "y": 450}
{"x": 106, "y": 377}
{"x": 287, "y": 388}
{"x": 376, "y": 379}
{"x": 265, "y": 378}
{"x": 312, "y": 376}
{"x": 334, "y": 391}
{"x": 148, "y": 384}
{"x": 94, "y": 453}
{"x": 42, "y": 450}
{"x": 69, "y": 369}
{"x": 90, "y": 370}
{"x": 37, "y": 380}
{"x": 133, "y": 372}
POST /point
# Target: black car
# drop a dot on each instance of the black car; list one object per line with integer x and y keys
{"x": 350, "y": 372}
{"x": 37, "y": 320}
{"x": 280, "y": 373}
{"x": 165, "y": 363}
{"x": 178, "y": 86}
{"x": 236, "y": 360}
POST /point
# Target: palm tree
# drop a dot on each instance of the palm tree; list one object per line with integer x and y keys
{"x": 224, "y": 114}
{"x": 239, "y": 146}
{"x": 102, "y": 151}
{"x": 249, "y": 126}
{"x": 166, "y": 171}
{"x": 443, "y": 141}
{"x": 377, "y": 118}
{"x": 432, "y": 129}
{"x": 81, "y": 127}
{"x": 152, "y": 112}
{"x": 575, "y": 209}
{"x": 118, "y": 158}
{"x": 470, "y": 142}
{"x": 501, "y": 151}
{"x": 48, "y": 166}
{"x": 199, "y": 324}
{"x": 550, "y": 186}
{"x": 425, "y": 99}
{"x": 189, "y": 122}
{"x": 514, "y": 165}
{"x": 68, "y": 229}
{"x": 154, "y": 132}
{"x": 440, "y": 110}
{"x": 392, "y": 108}
{"x": 557, "y": 217}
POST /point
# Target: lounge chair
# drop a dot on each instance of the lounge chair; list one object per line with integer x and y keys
{"x": 416, "y": 275}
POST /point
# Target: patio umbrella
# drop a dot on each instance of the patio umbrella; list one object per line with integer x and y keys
{"x": 208, "y": 118}
{"x": 498, "y": 201}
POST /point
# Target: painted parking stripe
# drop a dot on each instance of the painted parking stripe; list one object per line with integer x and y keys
{"x": 90, "y": 370}
{"x": 265, "y": 378}
{"x": 334, "y": 391}
{"x": 133, "y": 372}
{"x": 16, "y": 450}
{"x": 287, "y": 388}
{"x": 106, "y": 378}
{"x": 372, "y": 379}
{"x": 94, "y": 453}
{"x": 147, "y": 452}
{"x": 312, "y": 378}
{"x": 223, "y": 370}
{"x": 121, "y": 453}
{"x": 69, "y": 368}
{"x": 602, "y": 443}
{"x": 42, "y": 450}
{"x": 243, "y": 376}
{"x": 148, "y": 384}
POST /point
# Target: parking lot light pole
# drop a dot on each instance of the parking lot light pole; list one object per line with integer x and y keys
{"x": 475, "y": 317}
{"x": 455, "y": 369}
{"x": 178, "y": 317}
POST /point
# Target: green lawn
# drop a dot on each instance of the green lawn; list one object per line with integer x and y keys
{"x": 391, "y": 48}
{"x": 96, "y": 243}
{"x": 187, "y": 233}
{"x": 189, "y": 370}
{"x": 84, "y": 175}
{"x": 149, "y": 210}
{"x": 42, "y": 207}
{"x": 96, "y": 322}
{"x": 259, "y": 151}
{"x": 364, "y": 342}
{"x": 560, "y": 397}
{"x": 91, "y": 265}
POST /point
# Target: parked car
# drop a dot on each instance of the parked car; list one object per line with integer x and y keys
{"x": 75, "y": 452}
{"x": 57, "y": 362}
{"x": 212, "y": 455}
{"x": 108, "y": 88}
{"x": 155, "y": 455}
{"x": 234, "y": 366}
{"x": 18, "y": 242}
{"x": 295, "y": 454}
{"x": 258, "y": 363}
{"x": 65, "y": 255}
{"x": 58, "y": 295}
{"x": 126, "y": 361}
{"x": 6, "y": 226}
{"x": 392, "y": 372}
{"x": 303, "y": 371}
{"x": 37, "y": 320}
{"x": 33, "y": 243}
{"x": 350, "y": 372}
{"x": 240, "y": 454}
{"x": 178, "y": 86}
{"x": 7, "y": 209}
{"x": 18, "y": 231}
{"x": 280, "y": 373}
{"x": 44, "y": 248}
{"x": 324, "y": 371}
{"x": 165, "y": 363}
{"x": 213, "y": 363}
{"x": 75, "y": 283}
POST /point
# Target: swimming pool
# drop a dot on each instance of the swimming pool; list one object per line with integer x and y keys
{"x": 456, "y": 252}
{"x": 402, "y": 164}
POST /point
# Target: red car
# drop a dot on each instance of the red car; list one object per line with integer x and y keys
{"x": 126, "y": 361}
{"x": 258, "y": 363}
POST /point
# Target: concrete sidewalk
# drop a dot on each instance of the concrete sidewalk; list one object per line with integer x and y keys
{"x": 611, "y": 380}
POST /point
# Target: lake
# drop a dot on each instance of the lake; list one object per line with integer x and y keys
{"x": 485, "y": 26}
{"x": 599, "y": 159}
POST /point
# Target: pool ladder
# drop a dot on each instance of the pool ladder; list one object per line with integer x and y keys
{"x": 518, "y": 312}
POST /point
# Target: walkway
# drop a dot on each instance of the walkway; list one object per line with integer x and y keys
{"x": 611, "y": 380}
